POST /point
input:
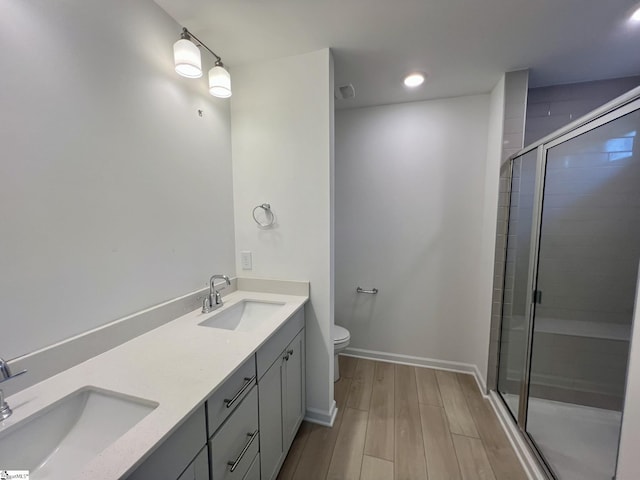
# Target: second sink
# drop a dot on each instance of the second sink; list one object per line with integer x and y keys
{"x": 58, "y": 441}
{"x": 244, "y": 316}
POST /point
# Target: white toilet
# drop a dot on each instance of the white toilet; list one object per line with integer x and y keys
{"x": 341, "y": 338}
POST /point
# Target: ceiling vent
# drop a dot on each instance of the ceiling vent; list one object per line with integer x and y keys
{"x": 345, "y": 92}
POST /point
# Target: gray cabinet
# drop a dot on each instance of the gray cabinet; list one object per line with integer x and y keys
{"x": 227, "y": 398}
{"x": 270, "y": 388}
{"x": 236, "y": 443}
{"x": 254, "y": 470}
{"x": 177, "y": 453}
{"x": 242, "y": 432}
{"x": 294, "y": 388}
{"x": 281, "y": 403}
{"x": 198, "y": 469}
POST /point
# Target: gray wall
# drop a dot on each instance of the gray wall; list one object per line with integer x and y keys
{"x": 553, "y": 107}
{"x": 115, "y": 194}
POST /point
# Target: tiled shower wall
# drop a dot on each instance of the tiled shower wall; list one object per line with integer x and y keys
{"x": 551, "y": 108}
{"x": 588, "y": 265}
{"x": 515, "y": 101}
{"x": 548, "y": 109}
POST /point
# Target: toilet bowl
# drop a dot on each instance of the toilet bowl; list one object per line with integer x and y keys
{"x": 341, "y": 338}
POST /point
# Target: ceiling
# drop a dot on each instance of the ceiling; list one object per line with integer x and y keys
{"x": 463, "y": 45}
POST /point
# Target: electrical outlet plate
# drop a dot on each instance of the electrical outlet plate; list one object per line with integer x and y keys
{"x": 246, "y": 260}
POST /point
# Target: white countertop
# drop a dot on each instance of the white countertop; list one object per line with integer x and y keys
{"x": 178, "y": 365}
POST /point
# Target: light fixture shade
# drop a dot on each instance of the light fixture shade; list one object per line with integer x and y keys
{"x": 219, "y": 82}
{"x": 186, "y": 56}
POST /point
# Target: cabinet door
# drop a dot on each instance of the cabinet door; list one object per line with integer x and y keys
{"x": 177, "y": 452}
{"x": 294, "y": 388}
{"x": 198, "y": 469}
{"x": 254, "y": 470}
{"x": 270, "y": 388}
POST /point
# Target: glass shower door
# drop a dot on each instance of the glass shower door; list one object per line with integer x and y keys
{"x": 589, "y": 247}
{"x": 515, "y": 325}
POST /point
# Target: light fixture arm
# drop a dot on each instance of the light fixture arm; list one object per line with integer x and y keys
{"x": 186, "y": 34}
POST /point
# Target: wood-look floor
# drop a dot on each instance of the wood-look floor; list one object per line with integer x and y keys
{"x": 397, "y": 422}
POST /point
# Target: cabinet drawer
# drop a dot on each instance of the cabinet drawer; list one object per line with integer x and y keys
{"x": 254, "y": 470}
{"x": 236, "y": 441}
{"x": 171, "y": 458}
{"x": 230, "y": 394}
{"x": 272, "y": 349}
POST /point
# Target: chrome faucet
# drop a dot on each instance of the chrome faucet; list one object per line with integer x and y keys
{"x": 5, "y": 374}
{"x": 214, "y": 299}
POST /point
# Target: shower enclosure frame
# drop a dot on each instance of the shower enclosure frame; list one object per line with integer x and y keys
{"x": 609, "y": 112}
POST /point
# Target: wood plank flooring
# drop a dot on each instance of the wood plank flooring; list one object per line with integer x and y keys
{"x": 397, "y": 422}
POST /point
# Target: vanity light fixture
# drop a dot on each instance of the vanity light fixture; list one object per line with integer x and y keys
{"x": 414, "y": 79}
{"x": 635, "y": 17}
{"x": 186, "y": 56}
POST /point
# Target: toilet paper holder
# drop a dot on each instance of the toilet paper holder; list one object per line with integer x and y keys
{"x": 373, "y": 291}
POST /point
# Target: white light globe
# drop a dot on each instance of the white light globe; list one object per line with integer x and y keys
{"x": 186, "y": 56}
{"x": 219, "y": 82}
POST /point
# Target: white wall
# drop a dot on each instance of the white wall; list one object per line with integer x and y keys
{"x": 482, "y": 322}
{"x": 115, "y": 194}
{"x": 281, "y": 114}
{"x": 410, "y": 207}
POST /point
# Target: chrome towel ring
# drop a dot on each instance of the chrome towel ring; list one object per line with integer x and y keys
{"x": 271, "y": 217}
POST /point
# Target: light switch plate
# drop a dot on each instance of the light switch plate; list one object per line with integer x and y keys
{"x": 246, "y": 260}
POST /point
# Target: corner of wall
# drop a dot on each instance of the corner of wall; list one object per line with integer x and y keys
{"x": 507, "y": 139}
{"x": 489, "y": 222}
{"x": 282, "y": 149}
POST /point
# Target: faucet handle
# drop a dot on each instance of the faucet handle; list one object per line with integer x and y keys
{"x": 5, "y": 410}
{"x": 206, "y": 304}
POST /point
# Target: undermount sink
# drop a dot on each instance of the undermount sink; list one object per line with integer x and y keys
{"x": 60, "y": 440}
{"x": 244, "y": 316}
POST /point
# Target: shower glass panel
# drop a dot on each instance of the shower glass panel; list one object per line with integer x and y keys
{"x": 586, "y": 278}
{"x": 515, "y": 331}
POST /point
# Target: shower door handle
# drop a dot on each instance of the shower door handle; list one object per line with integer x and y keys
{"x": 537, "y": 296}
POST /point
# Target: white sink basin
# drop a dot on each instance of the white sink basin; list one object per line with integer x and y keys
{"x": 60, "y": 440}
{"x": 244, "y": 316}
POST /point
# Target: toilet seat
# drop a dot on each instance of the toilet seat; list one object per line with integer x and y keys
{"x": 340, "y": 334}
{"x": 341, "y": 339}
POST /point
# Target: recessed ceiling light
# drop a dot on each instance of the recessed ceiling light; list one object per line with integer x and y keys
{"x": 636, "y": 15}
{"x": 414, "y": 79}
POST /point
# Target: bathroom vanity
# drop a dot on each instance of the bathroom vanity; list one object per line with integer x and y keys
{"x": 206, "y": 396}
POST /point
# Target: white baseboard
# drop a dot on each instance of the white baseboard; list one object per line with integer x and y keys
{"x": 322, "y": 417}
{"x": 419, "y": 362}
{"x": 523, "y": 452}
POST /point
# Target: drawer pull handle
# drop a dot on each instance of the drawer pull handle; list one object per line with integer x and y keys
{"x": 247, "y": 383}
{"x": 234, "y": 465}
{"x": 290, "y": 352}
